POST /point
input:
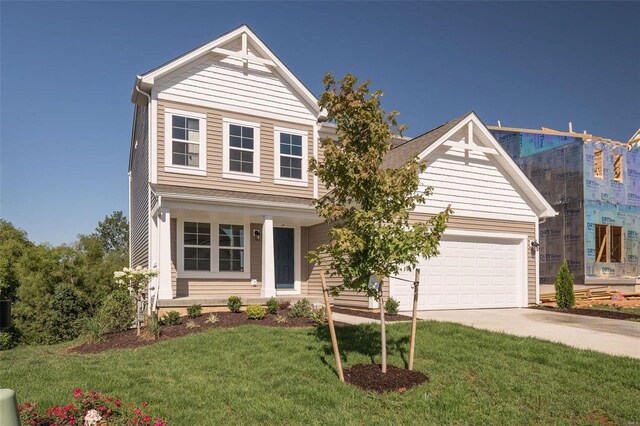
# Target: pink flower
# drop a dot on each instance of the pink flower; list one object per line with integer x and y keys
{"x": 77, "y": 394}
{"x": 118, "y": 403}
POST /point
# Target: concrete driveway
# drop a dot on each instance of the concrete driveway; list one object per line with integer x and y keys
{"x": 614, "y": 337}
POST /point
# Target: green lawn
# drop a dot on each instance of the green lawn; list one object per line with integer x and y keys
{"x": 259, "y": 375}
{"x": 615, "y": 309}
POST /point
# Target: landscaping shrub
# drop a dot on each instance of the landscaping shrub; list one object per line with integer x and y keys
{"x": 67, "y": 313}
{"x": 273, "y": 305}
{"x": 213, "y": 318}
{"x": 117, "y": 311}
{"x": 90, "y": 408}
{"x": 153, "y": 330}
{"x": 94, "y": 329}
{"x": 7, "y": 340}
{"x": 234, "y": 303}
{"x": 256, "y": 312}
{"x": 302, "y": 308}
{"x": 285, "y": 305}
{"x": 192, "y": 324}
{"x": 318, "y": 316}
{"x": 565, "y": 298}
{"x": 171, "y": 318}
{"x": 194, "y": 311}
{"x": 391, "y": 306}
{"x": 281, "y": 319}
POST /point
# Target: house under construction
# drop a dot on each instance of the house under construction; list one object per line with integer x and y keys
{"x": 594, "y": 184}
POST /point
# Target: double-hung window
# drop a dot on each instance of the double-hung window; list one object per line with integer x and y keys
{"x": 231, "y": 248}
{"x": 291, "y": 157}
{"x": 185, "y": 147}
{"x": 241, "y": 150}
{"x": 197, "y": 246}
{"x": 210, "y": 249}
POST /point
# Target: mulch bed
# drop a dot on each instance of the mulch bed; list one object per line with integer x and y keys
{"x": 129, "y": 339}
{"x": 591, "y": 312}
{"x": 370, "y": 314}
{"x": 370, "y": 377}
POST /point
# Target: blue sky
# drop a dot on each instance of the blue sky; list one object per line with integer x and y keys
{"x": 67, "y": 70}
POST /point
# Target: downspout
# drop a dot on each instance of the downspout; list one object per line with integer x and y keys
{"x": 153, "y": 304}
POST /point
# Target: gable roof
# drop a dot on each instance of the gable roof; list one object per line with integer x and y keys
{"x": 403, "y": 152}
{"x": 147, "y": 80}
{"x": 426, "y": 144}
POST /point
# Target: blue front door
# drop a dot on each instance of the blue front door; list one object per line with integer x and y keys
{"x": 284, "y": 257}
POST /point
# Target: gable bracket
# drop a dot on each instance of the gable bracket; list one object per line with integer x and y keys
{"x": 471, "y": 147}
{"x": 244, "y": 54}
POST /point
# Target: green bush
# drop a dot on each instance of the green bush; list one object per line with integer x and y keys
{"x": 318, "y": 316}
{"x": 67, "y": 313}
{"x": 234, "y": 303}
{"x": 194, "y": 311}
{"x": 284, "y": 305}
{"x": 7, "y": 340}
{"x": 117, "y": 312}
{"x": 94, "y": 329}
{"x": 391, "y": 306}
{"x": 171, "y": 318}
{"x": 153, "y": 330}
{"x": 273, "y": 305}
{"x": 256, "y": 312}
{"x": 565, "y": 298}
{"x": 302, "y": 308}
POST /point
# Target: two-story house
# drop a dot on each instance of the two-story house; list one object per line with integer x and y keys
{"x": 594, "y": 184}
{"x": 220, "y": 191}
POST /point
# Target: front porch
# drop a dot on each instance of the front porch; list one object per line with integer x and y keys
{"x": 206, "y": 252}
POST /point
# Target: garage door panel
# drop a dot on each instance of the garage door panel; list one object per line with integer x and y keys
{"x": 469, "y": 273}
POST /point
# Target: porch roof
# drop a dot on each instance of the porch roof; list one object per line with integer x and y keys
{"x": 185, "y": 192}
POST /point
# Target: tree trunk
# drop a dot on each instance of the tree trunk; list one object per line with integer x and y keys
{"x": 383, "y": 334}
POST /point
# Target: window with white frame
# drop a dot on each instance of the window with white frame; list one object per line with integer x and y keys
{"x": 231, "y": 248}
{"x": 185, "y": 147}
{"x": 197, "y": 246}
{"x": 241, "y": 149}
{"x": 291, "y": 156}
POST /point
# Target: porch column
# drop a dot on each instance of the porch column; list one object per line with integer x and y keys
{"x": 164, "y": 264}
{"x": 268, "y": 270}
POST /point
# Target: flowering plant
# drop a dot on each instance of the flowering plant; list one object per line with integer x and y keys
{"x": 137, "y": 280}
{"x": 88, "y": 409}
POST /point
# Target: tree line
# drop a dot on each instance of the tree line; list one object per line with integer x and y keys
{"x": 54, "y": 289}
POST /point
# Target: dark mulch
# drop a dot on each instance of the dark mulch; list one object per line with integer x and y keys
{"x": 129, "y": 339}
{"x": 370, "y": 377}
{"x": 370, "y": 314}
{"x": 591, "y": 312}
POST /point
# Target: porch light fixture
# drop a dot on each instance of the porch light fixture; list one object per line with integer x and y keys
{"x": 535, "y": 245}
{"x": 256, "y": 234}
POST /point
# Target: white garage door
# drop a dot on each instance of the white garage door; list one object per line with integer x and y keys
{"x": 469, "y": 273}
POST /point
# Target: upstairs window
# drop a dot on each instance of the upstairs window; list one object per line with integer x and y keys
{"x": 290, "y": 157}
{"x": 185, "y": 147}
{"x": 598, "y": 164}
{"x": 617, "y": 168}
{"x": 241, "y": 150}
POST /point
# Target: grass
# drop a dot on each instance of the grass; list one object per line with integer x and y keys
{"x": 261, "y": 375}
{"x": 616, "y": 309}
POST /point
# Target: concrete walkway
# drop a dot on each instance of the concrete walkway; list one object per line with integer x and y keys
{"x": 614, "y": 337}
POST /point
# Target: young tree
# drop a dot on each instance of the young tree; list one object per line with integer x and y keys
{"x": 565, "y": 297}
{"x": 367, "y": 204}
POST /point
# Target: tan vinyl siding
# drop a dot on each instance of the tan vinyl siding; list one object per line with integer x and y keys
{"x": 318, "y": 234}
{"x": 140, "y": 190}
{"x": 211, "y": 288}
{"x": 497, "y": 226}
{"x": 214, "y": 165}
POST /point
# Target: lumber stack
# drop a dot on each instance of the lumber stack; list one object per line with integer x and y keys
{"x": 597, "y": 293}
